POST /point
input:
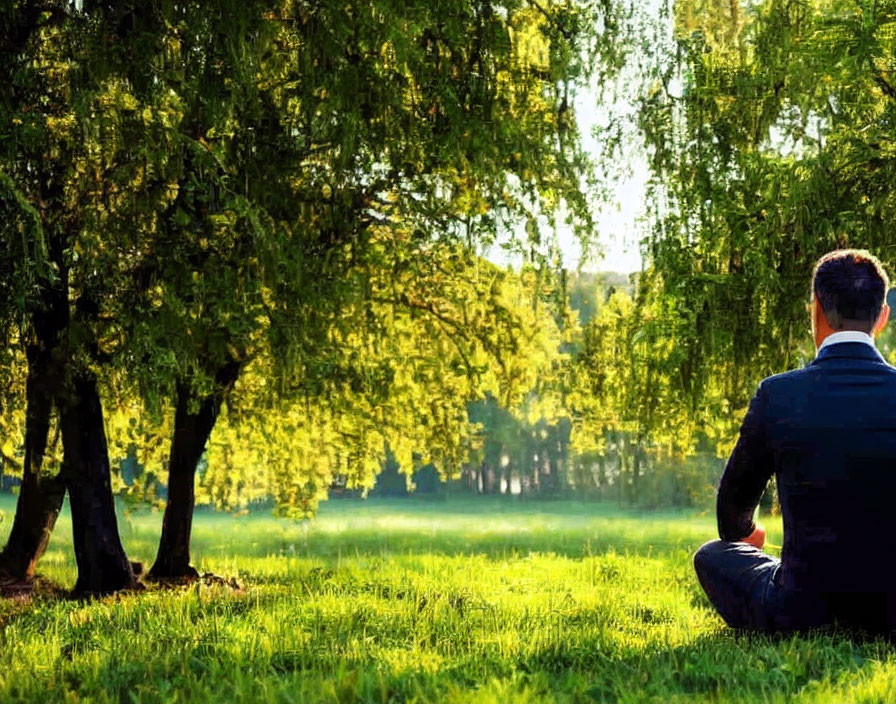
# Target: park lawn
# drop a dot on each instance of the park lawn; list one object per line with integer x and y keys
{"x": 390, "y": 601}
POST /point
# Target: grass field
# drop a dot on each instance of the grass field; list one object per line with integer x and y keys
{"x": 460, "y": 601}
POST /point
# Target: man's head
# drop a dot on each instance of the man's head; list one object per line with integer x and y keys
{"x": 849, "y": 289}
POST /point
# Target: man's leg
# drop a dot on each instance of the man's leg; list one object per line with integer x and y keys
{"x": 741, "y": 583}
{"x": 734, "y": 577}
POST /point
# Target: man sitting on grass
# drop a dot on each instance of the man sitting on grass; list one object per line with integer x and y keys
{"x": 828, "y": 432}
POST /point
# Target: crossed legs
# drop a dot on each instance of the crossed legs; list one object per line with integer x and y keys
{"x": 743, "y": 585}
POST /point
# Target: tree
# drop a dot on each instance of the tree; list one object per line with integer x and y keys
{"x": 431, "y": 151}
{"x": 766, "y": 126}
{"x": 47, "y": 298}
{"x": 252, "y": 181}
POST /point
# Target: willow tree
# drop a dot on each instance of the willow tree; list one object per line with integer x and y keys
{"x": 344, "y": 145}
{"x": 404, "y": 382}
{"x": 627, "y": 394}
{"x": 251, "y": 179}
{"x": 768, "y": 127}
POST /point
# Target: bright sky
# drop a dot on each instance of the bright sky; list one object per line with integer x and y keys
{"x": 618, "y": 227}
{"x": 618, "y": 221}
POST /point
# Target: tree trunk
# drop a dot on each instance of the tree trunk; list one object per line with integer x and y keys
{"x": 191, "y": 433}
{"x": 40, "y": 497}
{"x": 103, "y": 567}
{"x": 636, "y": 466}
{"x": 554, "y": 481}
{"x": 490, "y": 483}
{"x": 623, "y": 472}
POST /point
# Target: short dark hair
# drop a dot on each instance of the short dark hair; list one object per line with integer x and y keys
{"x": 851, "y": 286}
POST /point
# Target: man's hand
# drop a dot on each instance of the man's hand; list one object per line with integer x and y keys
{"x": 756, "y": 538}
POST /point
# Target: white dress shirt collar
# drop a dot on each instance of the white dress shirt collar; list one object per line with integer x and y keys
{"x": 847, "y": 336}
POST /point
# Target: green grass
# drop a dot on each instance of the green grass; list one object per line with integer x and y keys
{"x": 462, "y": 601}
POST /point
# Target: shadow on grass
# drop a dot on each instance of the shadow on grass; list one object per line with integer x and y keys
{"x": 743, "y": 663}
{"x": 497, "y": 528}
{"x": 750, "y": 667}
{"x": 463, "y": 505}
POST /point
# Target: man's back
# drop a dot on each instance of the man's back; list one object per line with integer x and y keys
{"x": 832, "y": 429}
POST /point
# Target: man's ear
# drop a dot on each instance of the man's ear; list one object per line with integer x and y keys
{"x": 882, "y": 319}
{"x": 818, "y": 316}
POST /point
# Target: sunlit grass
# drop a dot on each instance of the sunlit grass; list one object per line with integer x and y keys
{"x": 457, "y": 601}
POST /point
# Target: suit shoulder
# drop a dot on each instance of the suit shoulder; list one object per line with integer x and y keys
{"x": 775, "y": 382}
{"x": 786, "y": 381}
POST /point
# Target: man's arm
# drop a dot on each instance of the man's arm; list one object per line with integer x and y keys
{"x": 745, "y": 477}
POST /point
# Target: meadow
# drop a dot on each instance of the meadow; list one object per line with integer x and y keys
{"x": 394, "y": 601}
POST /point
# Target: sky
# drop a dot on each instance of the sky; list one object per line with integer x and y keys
{"x": 618, "y": 226}
{"x": 618, "y": 222}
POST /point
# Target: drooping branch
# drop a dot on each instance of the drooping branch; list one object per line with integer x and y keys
{"x": 882, "y": 82}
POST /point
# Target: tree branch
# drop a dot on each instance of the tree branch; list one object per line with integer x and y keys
{"x": 882, "y": 82}
{"x": 565, "y": 32}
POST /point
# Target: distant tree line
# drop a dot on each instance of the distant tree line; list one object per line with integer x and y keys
{"x": 537, "y": 457}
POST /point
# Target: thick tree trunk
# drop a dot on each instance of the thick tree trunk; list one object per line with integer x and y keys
{"x": 40, "y": 496}
{"x": 103, "y": 567}
{"x": 191, "y": 433}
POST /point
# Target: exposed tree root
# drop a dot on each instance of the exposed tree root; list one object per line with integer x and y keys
{"x": 16, "y": 588}
{"x": 192, "y": 576}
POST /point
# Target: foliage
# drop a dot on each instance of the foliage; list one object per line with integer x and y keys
{"x": 338, "y": 150}
{"x": 766, "y": 129}
{"x": 425, "y": 371}
{"x": 402, "y": 379}
{"x": 625, "y": 396}
{"x": 12, "y": 411}
{"x": 301, "y": 189}
{"x": 519, "y": 455}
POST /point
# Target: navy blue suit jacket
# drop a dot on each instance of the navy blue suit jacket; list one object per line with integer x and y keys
{"x": 828, "y": 434}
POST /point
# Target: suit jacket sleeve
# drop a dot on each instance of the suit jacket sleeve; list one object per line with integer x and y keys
{"x": 746, "y": 474}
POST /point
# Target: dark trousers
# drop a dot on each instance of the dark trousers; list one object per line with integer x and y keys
{"x": 743, "y": 585}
